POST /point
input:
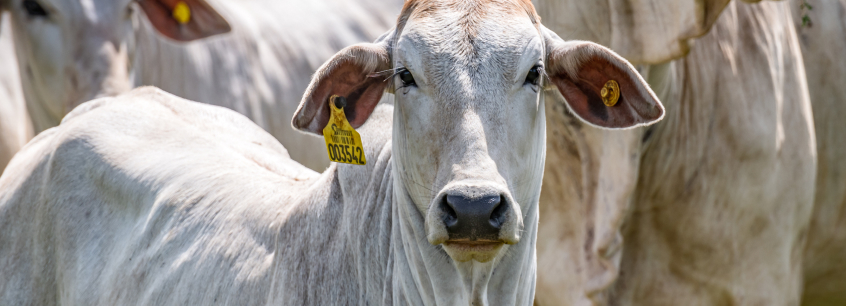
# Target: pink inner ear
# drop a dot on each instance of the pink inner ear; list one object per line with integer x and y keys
{"x": 582, "y": 92}
{"x": 204, "y": 22}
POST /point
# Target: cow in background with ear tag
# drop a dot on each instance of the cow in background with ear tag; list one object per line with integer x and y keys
{"x": 71, "y": 51}
{"x": 241, "y": 55}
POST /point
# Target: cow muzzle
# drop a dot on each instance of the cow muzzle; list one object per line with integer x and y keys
{"x": 474, "y": 223}
{"x": 468, "y": 219}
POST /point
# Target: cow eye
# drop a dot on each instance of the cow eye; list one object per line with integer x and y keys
{"x": 533, "y": 76}
{"x": 406, "y": 78}
{"x": 34, "y": 9}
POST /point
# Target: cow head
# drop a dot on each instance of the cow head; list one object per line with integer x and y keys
{"x": 70, "y": 51}
{"x": 469, "y": 128}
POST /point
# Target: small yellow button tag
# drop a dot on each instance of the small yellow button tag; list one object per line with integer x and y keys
{"x": 610, "y": 93}
{"x": 182, "y": 13}
{"x": 342, "y": 141}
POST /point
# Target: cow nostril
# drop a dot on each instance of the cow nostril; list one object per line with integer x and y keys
{"x": 474, "y": 219}
{"x": 449, "y": 217}
{"x": 498, "y": 214}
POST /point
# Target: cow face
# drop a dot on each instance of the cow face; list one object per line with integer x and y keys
{"x": 469, "y": 126}
{"x": 71, "y": 51}
{"x": 467, "y": 99}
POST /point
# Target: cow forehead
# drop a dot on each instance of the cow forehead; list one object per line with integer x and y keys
{"x": 465, "y": 42}
{"x": 471, "y": 9}
{"x": 466, "y": 24}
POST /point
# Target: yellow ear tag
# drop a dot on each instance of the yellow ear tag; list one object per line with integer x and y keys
{"x": 342, "y": 141}
{"x": 182, "y": 13}
{"x": 610, "y": 93}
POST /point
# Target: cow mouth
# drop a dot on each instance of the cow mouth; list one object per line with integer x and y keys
{"x": 478, "y": 250}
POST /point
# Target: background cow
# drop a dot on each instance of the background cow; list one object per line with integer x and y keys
{"x": 146, "y": 198}
{"x": 644, "y": 31}
{"x": 708, "y": 207}
{"x": 70, "y": 51}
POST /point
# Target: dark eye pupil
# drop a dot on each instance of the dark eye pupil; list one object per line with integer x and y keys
{"x": 406, "y": 78}
{"x": 533, "y": 76}
{"x": 33, "y": 8}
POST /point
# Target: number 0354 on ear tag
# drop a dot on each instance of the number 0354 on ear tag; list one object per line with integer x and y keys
{"x": 342, "y": 141}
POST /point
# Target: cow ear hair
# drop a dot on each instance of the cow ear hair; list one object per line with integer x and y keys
{"x": 580, "y": 70}
{"x": 350, "y": 73}
{"x": 184, "y": 20}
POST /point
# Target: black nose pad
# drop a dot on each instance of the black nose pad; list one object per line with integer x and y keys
{"x": 473, "y": 219}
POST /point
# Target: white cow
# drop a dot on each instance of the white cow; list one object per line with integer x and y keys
{"x": 15, "y": 128}
{"x": 823, "y": 43}
{"x": 71, "y": 51}
{"x": 708, "y": 207}
{"x": 146, "y": 198}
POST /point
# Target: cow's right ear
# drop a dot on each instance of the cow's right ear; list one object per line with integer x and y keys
{"x": 184, "y": 20}
{"x": 350, "y": 74}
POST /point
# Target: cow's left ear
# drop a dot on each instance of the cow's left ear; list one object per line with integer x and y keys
{"x": 601, "y": 88}
{"x": 184, "y": 20}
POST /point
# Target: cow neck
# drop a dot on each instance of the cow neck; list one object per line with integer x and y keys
{"x": 332, "y": 245}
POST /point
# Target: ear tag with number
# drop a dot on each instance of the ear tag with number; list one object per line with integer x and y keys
{"x": 342, "y": 141}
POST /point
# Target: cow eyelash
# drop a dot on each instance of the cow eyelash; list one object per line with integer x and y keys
{"x": 390, "y": 75}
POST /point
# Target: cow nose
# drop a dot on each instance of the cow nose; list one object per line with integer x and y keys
{"x": 474, "y": 219}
